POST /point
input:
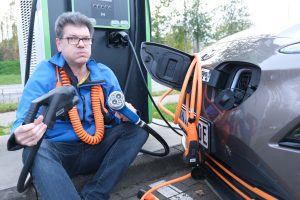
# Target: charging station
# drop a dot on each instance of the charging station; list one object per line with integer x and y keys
{"x": 107, "y": 16}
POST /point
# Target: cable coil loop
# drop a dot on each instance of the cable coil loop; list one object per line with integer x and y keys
{"x": 97, "y": 101}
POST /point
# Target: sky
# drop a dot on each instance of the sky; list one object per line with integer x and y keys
{"x": 3, "y": 8}
{"x": 274, "y": 11}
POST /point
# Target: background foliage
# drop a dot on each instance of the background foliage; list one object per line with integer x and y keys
{"x": 192, "y": 27}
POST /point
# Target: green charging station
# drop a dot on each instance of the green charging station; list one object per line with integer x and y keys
{"x": 107, "y": 16}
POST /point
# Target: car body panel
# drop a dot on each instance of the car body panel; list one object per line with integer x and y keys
{"x": 247, "y": 136}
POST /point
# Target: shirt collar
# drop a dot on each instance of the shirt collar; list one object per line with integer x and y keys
{"x": 59, "y": 60}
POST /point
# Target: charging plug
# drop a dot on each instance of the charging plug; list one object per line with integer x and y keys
{"x": 117, "y": 39}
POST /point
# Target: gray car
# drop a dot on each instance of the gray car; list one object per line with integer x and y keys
{"x": 249, "y": 129}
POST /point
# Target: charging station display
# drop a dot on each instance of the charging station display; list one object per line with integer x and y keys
{"x": 105, "y": 13}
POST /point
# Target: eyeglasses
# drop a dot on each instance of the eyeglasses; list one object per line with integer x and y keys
{"x": 76, "y": 40}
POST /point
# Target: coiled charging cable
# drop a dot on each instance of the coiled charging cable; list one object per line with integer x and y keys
{"x": 97, "y": 101}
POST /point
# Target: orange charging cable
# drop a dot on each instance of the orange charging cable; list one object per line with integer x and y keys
{"x": 255, "y": 190}
{"x": 97, "y": 101}
{"x": 193, "y": 105}
{"x": 193, "y": 109}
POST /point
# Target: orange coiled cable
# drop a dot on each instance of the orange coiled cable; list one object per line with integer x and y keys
{"x": 96, "y": 96}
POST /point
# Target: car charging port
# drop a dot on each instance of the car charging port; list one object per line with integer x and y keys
{"x": 237, "y": 82}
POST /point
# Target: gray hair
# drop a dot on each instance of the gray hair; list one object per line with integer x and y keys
{"x": 73, "y": 18}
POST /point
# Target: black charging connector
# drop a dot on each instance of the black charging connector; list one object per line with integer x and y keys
{"x": 117, "y": 39}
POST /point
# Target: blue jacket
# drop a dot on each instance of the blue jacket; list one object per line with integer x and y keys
{"x": 44, "y": 79}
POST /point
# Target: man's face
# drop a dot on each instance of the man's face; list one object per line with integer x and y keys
{"x": 75, "y": 54}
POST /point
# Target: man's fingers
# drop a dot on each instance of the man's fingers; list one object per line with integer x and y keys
{"x": 23, "y": 132}
{"x": 121, "y": 116}
{"x": 24, "y": 128}
{"x": 39, "y": 130}
{"x": 32, "y": 136}
{"x": 28, "y": 127}
{"x": 117, "y": 114}
{"x": 28, "y": 141}
{"x": 39, "y": 120}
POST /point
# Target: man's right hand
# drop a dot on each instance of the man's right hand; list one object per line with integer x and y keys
{"x": 30, "y": 134}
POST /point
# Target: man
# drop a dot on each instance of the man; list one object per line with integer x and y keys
{"x": 65, "y": 152}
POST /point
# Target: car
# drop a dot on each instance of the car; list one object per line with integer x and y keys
{"x": 249, "y": 128}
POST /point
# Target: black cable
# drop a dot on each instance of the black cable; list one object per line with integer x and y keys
{"x": 176, "y": 128}
{"x": 36, "y": 192}
{"x": 29, "y": 42}
{"x": 125, "y": 35}
{"x": 159, "y": 139}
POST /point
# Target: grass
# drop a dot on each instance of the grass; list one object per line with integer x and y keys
{"x": 10, "y": 67}
{"x": 8, "y": 107}
{"x": 10, "y": 79}
{"x": 4, "y": 130}
{"x": 171, "y": 107}
{"x": 159, "y": 93}
{"x": 10, "y": 72}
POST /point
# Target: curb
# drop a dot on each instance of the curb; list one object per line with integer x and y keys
{"x": 144, "y": 168}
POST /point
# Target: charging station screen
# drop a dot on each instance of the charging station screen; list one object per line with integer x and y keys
{"x": 105, "y": 13}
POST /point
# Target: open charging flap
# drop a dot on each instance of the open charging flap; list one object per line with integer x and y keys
{"x": 166, "y": 65}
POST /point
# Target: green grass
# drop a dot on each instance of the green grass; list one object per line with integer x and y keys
{"x": 8, "y": 107}
{"x": 10, "y": 79}
{"x": 10, "y": 72}
{"x": 171, "y": 107}
{"x": 159, "y": 93}
{"x": 10, "y": 67}
{"x": 4, "y": 130}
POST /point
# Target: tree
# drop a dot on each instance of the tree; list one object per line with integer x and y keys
{"x": 234, "y": 18}
{"x": 1, "y": 28}
{"x": 178, "y": 35}
{"x": 159, "y": 21}
{"x": 199, "y": 25}
{"x": 9, "y": 49}
{"x": 176, "y": 39}
{"x": 187, "y": 44}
